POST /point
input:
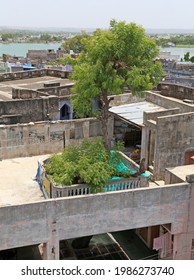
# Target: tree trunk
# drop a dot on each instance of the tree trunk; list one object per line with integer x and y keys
{"x": 104, "y": 120}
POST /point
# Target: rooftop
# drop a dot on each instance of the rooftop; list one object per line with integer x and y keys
{"x": 17, "y": 181}
{"x": 32, "y": 83}
{"x": 182, "y": 171}
{"x": 133, "y": 113}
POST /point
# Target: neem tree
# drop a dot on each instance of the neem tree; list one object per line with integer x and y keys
{"x": 122, "y": 56}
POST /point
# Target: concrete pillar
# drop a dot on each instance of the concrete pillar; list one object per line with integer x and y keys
{"x": 46, "y": 137}
{"x": 86, "y": 129}
{"x": 67, "y": 128}
{"x": 26, "y": 142}
{"x": 51, "y": 247}
{"x": 3, "y": 142}
{"x": 151, "y": 146}
{"x": 70, "y": 114}
{"x": 182, "y": 246}
{"x": 145, "y": 145}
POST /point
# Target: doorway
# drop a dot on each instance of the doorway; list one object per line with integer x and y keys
{"x": 64, "y": 112}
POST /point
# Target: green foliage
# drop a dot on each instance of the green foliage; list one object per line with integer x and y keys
{"x": 178, "y": 40}
{"x": 187, "y": 56}
{"x": 113, "y": 59}
{"x": 116, "y": 58}
{"x": 45, "y": 37}
{"x": 192, "y": 59}
{"x": 88, "y": 163}
{"x": 75, "y": 43}
{"x": 6, "y": 36}
{"x": 68, "y": 60}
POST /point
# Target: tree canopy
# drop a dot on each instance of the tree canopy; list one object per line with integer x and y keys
{"x": 76, "y": 43}
{"x": 122, "y": 56}
{"x": 87, "y": 163}
{"x": 188, "y": 58}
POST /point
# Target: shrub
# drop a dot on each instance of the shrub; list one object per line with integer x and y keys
{"x": 88, "y": 163}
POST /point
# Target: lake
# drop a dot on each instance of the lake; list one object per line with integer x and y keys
{"x": 178, "y": 51}
{"x": 21, "y": 49}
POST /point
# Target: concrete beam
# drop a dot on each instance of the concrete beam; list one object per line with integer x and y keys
{"x": 32, "y": 223}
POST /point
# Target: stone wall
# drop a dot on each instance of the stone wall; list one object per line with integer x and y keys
{"x": 58, "y": 91}
{"x": 33, "y": 74}
{"x": 167, "y": 134}
{"x": 174, "y": 136}
{"x": 181, "y": 80}
{"x": 46, "y": 137}
{"x": 21, "y": 93}
{"x": 36, "y": 54}
{"x": 154, "y": 115}
{"x": 24, "y": 93}
{"x": 125, "y": 98}
{"x": 176, "y": 91}
{"x": 171, "y": 178}
{"x": 31, "y": 110}
{"x": 168, "y": 103}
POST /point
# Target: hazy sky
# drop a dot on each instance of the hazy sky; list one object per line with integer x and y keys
{"x": 97, "y": 13}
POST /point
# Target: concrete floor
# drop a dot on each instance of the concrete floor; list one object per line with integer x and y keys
{"x": 17, "y": 184}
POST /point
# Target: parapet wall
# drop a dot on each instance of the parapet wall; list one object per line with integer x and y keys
{"x": 31, "y": 110}
{"x": 168, "y": 103}
{"x": 125, "y": 98}
{"x": 176, "y": 91}
{"x": 33, "y": 74}
{"x": 39, "y": 138}
{"x": 173, "y": 138}
{"x": 58, "y": 91}
{"x": 21, "y": 93}
{"x": 57, "y": 219}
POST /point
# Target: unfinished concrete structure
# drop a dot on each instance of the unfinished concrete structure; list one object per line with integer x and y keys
{"x": 53, "y": 220}
{"x": 165, "y": 123}
{"x": 166, "y": 141}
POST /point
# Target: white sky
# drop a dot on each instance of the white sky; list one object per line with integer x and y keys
{"x": 177, "y": 14}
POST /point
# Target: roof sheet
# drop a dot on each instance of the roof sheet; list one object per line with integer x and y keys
{"x": 134, "y": 112}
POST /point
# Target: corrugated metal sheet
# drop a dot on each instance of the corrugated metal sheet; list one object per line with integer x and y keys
{"x": 134, "y": 112}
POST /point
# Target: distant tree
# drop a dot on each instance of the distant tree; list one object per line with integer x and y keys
{"x": 45, "y": 37}
{"x": 119, "y": 57}
{"x": 192, "y": 59}
{"x": 57, "y": 38}
{"x": 75, "y": 43}
{"x": 6, "y": 36}
{"x": 187, "y": 56}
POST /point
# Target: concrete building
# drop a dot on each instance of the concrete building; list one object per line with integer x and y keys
{"x": 162, "y": 212}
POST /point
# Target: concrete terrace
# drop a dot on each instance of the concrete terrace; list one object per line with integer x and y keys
{"x": 30, "y": 83}
{"x": 17, "y": 181}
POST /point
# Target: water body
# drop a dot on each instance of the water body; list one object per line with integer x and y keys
{"x": 21, "y": 49}
{"x": 178, "y": 51}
